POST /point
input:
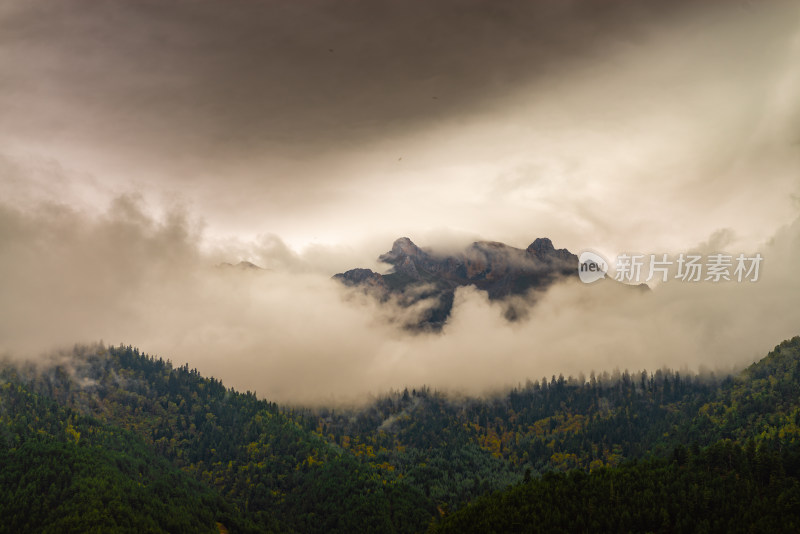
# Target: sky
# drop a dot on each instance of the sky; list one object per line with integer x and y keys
{"x": 142, "y": 143}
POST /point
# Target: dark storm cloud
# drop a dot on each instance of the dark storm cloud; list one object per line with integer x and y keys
{"x": 282, "y": 117}
{"x": 236, "y": 74}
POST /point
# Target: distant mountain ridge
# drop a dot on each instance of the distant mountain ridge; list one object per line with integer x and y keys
{"x": 499, "y": 269}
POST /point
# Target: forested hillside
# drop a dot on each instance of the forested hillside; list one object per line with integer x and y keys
{"x": 64, "y": 472}
{"x": 457, "y": 449}
{"x": 110, "y": 439}
{"x": 746, "y": 479}
{"x": 724, "y": 488}
{"x": 271, "y": 469}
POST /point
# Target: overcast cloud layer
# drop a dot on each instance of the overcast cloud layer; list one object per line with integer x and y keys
{"x": 142, "y": 143}
{"x": 294, "y": 335}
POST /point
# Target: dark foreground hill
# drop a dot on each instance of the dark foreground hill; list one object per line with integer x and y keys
{"x": 724, "y": 488}
{"x": 112, "y": 440}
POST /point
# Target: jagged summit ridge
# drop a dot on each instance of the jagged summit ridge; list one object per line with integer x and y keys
{"x": 400, "y": 248}
{"x": 499, "y": 269}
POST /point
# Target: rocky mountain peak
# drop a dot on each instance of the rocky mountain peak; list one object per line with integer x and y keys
{"x": 405, "y": 256}
{"x": 499, "y": 269}
{"x": 401, "y": 249}
{"x": 542, "y": 249}
{"x": 541, "y": 245}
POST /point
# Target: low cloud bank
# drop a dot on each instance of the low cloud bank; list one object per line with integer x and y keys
{"x": 294, "y": 335}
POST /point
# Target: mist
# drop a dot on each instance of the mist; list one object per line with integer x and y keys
{"x": 144, "y": 144}
{"x": 294, "y": 335}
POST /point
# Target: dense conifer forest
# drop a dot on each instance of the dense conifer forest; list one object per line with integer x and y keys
{"x": 114, "y": 440}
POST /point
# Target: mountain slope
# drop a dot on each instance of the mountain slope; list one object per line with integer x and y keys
{"x": 63, "y": 472}
{"x": 762, "y": 401}
{"x": 500, "y": 270}
{"x": 473, "y": 445}
{"x": 267, "y": 463}
{"x": 723, "y": 488}
{"x": 746, "y": 479}
{"x": 115, "y": 429}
